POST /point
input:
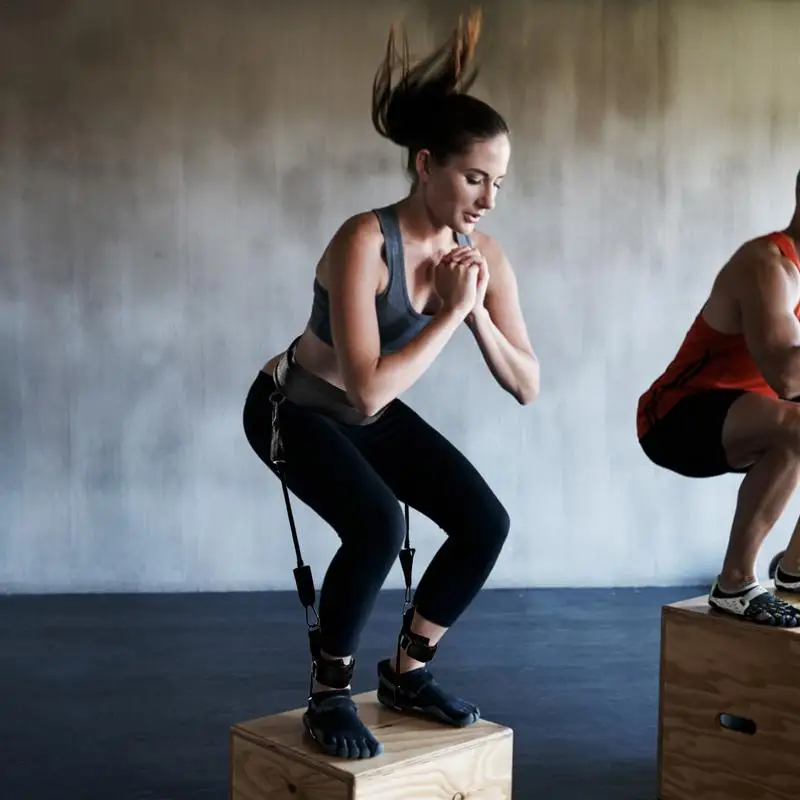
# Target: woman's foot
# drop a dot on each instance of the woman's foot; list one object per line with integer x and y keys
{"x": 405, "y": 684}
{"x": 332, "y": 721}
{"x": 332, "y": 717}
{"x": 418, "y": 691}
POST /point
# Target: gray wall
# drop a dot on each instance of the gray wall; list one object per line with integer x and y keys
{"x": 169, "y": 172}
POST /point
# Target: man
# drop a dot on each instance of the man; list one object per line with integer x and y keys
{"x": 726, "y": 404}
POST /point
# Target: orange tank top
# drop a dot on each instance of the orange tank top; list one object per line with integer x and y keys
{"x": 708, "y": 359}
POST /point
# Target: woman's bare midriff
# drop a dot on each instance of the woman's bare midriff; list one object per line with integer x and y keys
{"x": 314, "y": 355}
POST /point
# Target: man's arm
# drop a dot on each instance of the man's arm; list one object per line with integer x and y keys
{"x": 768, "y": 291}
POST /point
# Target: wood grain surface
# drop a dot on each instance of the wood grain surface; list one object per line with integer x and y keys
{"x": 729, "y": 718}
{"x": 271, "y": 758}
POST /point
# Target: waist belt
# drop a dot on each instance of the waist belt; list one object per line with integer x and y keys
{"x": 304, "y": 388}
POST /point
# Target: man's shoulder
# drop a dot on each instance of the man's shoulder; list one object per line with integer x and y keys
{"x": 758, "y": 268}
{"x": 758, "y": 257}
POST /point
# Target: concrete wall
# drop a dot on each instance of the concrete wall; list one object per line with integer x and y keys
{"x": 169, "y": 172}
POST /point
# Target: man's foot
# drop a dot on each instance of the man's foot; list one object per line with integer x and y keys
{"x": 417, "y": 691}
{"x": 786, "y": 581}
{"x": 755, "y": 604}
{"x": 332, "y": 721}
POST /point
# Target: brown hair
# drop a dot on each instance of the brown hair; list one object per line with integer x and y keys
{"x": 428, "y": 106}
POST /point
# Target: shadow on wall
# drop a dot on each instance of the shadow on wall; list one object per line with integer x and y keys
{"x": 131, "y": 84}
{"x": 598, "y": 58}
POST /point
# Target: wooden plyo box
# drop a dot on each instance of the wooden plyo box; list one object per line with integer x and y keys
{"x": 272, "y": 759}
{"x": 729, "y": 707}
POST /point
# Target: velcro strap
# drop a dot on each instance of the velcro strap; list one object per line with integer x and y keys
{"x": 417, "y": 647}
{"x": 334, "y": 673}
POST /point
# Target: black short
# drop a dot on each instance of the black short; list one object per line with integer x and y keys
{"x": 688, "y": 438}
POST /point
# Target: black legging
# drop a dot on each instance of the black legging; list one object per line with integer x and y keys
{"x": 353, "y": 477}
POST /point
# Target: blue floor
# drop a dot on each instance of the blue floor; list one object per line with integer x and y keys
{"x": 125, "y": 697}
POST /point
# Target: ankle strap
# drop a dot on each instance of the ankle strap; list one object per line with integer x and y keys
{"x": 416, "y": 646}
{"x": 333, "y": 672}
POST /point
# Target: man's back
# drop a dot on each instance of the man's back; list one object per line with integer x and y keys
{"x": 737, "y": 339}
{"x": 740, "y": 277}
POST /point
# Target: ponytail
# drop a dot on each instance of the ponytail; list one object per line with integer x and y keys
{"x": 406, "y": 111}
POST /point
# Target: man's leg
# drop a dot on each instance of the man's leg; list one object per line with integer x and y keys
{"x": 787, "y": 572}
{"x": 763, "y": 434}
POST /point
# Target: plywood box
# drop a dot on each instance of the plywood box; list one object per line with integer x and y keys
{"x": 272, "y": 759}
{"x": 729, "y": 707}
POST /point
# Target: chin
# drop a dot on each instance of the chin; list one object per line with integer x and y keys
{"x": 463, "y": 224}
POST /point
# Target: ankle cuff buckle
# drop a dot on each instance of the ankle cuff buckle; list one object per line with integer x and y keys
{"x": 333, "y": 673}
{"x": 417, "y": 647}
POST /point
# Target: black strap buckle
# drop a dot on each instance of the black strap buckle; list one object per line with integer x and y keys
{"x": 407, "y": 561}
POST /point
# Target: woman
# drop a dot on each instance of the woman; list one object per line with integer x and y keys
{"x": 391, "y": 288}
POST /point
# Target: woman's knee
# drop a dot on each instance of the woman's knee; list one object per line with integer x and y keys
{"x": 375, "y": 531}
{"x": 489, "y": 525}
{"x": 500, "y": 526}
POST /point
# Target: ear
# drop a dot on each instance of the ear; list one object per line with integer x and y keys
{"x": 423, "y": 163}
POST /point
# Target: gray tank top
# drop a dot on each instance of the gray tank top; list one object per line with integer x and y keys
{"x": 398, "y": 321}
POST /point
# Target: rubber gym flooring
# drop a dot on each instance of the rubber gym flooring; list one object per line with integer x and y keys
{"x": 129, "y": 697}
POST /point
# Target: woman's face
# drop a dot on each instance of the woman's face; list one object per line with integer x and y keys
{"x": 459, "y": 192}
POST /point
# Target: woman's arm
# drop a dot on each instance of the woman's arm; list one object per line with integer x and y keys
{"x": 498, "y": 325}
{"x": 372, "y": 380}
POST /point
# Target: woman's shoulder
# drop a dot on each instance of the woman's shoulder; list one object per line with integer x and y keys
{"x": 359, "y": 229}
{"x": 355, "y": 245}
{"x": 361, "y": 223}
{"x": 487, "y": 244}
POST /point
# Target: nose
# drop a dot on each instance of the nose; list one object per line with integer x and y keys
{"x": 486, "y": 200}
